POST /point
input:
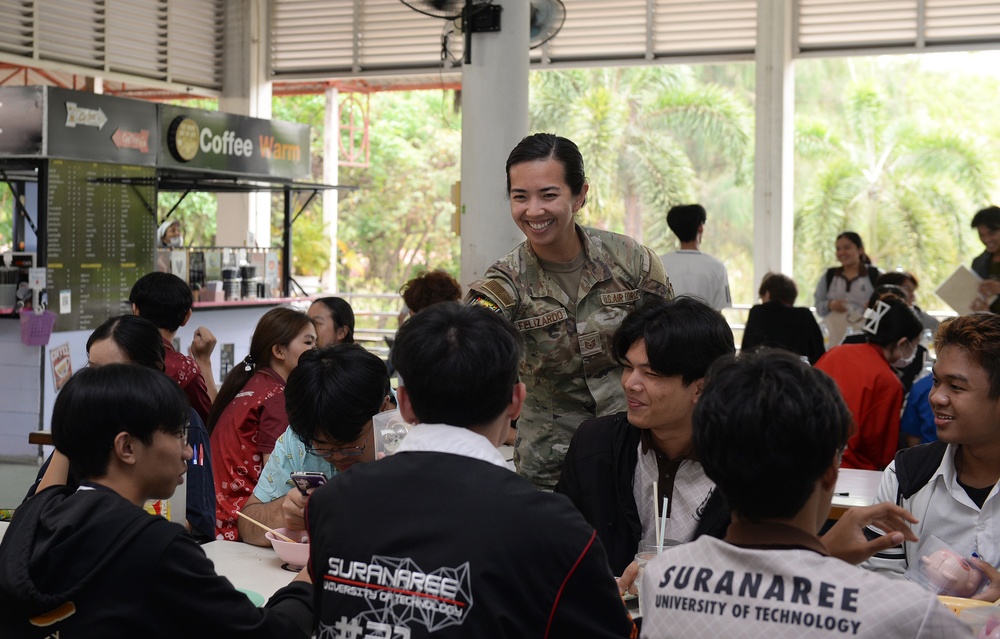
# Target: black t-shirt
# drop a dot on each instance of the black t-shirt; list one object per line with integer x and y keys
{"x": 977, "y": 495}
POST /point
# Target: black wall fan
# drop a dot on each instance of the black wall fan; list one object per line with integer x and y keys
{"x": 477, "y": 16}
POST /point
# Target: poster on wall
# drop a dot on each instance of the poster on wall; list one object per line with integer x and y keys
{"x": 100, "y": 237}
{"x": 62, "y": 365}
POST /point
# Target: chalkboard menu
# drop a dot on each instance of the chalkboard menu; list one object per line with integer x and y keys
{"x": 100, "y": 240}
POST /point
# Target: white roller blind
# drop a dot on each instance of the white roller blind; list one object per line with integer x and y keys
{"x": 962, "y": 20}
{"x": 865, "y": 23}
{"x": 393, "y": 36}
{"x": 823, "y": 25}
{"x": 318, "y": 37}
{"x": 194, "y": 42}
{"x": 597, "y": 27}
{"x": 169, "y": 40}
{"x": 137, "y": 36}
{"x": 71, "y": 31}
{"x": 17, "y": 27}
{"x": 352, "y": 36}
{"x": 697, "y": 28}
{"x": 307, "y": 35}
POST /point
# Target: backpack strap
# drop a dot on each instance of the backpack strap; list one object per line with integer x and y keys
{"x": 829, "y": 277}
{"x": 915, "y": 466}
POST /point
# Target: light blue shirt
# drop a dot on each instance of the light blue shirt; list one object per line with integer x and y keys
{"x": 289, "y": 456}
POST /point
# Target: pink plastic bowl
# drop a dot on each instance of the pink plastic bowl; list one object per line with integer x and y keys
{"x": 296, "y": 555}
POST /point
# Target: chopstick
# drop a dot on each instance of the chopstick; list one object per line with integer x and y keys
{"x": 270, "y": 530}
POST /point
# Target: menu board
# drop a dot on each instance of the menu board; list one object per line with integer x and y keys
{"x": 100, "y": 240}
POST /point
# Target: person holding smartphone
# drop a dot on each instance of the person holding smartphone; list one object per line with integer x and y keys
{"x": 330, "y": 397}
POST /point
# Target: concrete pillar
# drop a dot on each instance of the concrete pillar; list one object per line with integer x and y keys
{"x": 773, "y": 217}
{"x": 494, "y": 119}
{"x": 244, "y": 219}
{"x": 331, "y": 175}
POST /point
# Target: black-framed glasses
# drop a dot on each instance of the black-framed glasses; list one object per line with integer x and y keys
{"x": 345, "y": 451}
{"x": 183, "y": 434}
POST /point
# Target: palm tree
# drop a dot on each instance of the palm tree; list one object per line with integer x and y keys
{"x": 905, "y": 183}
{"x": 643, "y": 133}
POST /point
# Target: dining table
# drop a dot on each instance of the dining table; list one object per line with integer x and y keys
{"x": 252, "y": 568}
{"x": 855, "y": 487}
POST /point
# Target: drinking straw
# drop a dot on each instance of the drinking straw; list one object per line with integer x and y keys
{"x": 663, "y": 525}
{"x": 656, "y": 516}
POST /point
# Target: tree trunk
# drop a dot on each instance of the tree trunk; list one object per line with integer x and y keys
{"x": 633, "y": 217}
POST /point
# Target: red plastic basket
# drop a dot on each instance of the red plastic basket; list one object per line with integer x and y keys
{"x": 36, "y": 328}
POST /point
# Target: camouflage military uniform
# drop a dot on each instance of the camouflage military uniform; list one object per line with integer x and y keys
{"x": 568, "y": 368}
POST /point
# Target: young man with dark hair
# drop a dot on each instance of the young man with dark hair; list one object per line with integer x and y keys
{"x": 987, "y": 264}
{"x": 769, "y": 431}
{"x": 90, "y": 562}
{"x": 165, "y": 300}
{"x": 441, "y": 539}
{"x": 331, "y": 397}
{"x": 665, "y": 348}
{"x": 692, "y": 272}
{"x": 776, "y": 322}
{"x": 951, "y": 485}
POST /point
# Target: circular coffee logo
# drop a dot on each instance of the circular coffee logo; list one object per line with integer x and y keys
{"x": 182, "y": 138}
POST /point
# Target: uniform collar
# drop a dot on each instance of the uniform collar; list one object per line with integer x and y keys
{"x": 442, "y": 438}
{"x": 772, "y": 536}
{"x": 539, "y": 284}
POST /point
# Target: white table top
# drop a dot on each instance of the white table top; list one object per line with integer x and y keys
{"x": 860, "y": 486}
{"x": 247, "y": 567}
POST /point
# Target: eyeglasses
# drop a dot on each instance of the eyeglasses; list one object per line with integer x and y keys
{"x": 345, "y": 451}
{"x": 182, "y": 434}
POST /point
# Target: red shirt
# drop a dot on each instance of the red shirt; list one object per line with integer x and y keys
{"x": 184, "y": 370}
{"x": 245, "y": 432}
{"x": 874, "y": 395}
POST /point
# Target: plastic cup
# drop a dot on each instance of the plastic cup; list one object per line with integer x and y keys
{"x": 643, "y": 555}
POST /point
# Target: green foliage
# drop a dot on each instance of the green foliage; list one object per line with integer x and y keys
{"x": 653, "y": 137}
{"x": 6, "y": 218}
{"x": 888, "y": 162}
{"x": 398, "y": 222}
{"x": 196, "y": 212}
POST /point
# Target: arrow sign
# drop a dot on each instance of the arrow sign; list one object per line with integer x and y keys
{"x": 84, "y": 117}
{"x": 138, "y": 140}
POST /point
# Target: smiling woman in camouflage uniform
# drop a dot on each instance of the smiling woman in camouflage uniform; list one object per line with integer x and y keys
{"x": 566, "y": 289}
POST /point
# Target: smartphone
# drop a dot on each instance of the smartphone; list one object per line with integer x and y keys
{"x": 306, "y": 480}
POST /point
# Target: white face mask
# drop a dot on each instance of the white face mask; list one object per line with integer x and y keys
{"x": 176, "y": 242}
{"x": 903, "y": 362}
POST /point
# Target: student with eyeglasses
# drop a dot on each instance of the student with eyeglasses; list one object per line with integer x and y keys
{"x": 330, "y": 397}
{"x": 88, "y": 561}
{"x": 130, "y": 339}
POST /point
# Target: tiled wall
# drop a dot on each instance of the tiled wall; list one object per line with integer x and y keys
{"x": 20, "y": 391}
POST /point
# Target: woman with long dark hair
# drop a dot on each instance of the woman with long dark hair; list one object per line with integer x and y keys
{"x": 843, "y": 291}
{"x": 249, "y": 413}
